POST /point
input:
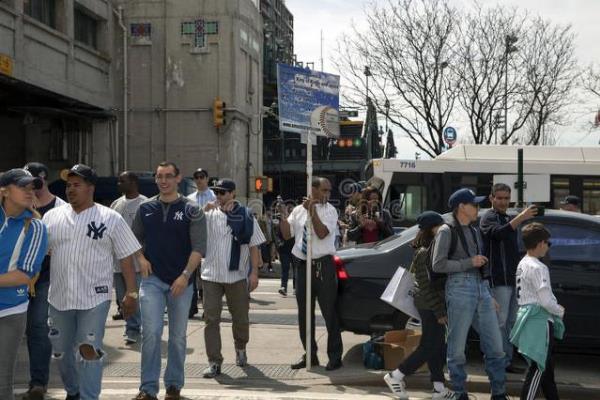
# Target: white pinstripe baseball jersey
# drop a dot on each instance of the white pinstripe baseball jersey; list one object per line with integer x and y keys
{"x": 215, "y": 266}
{"x": 83, "y": 246}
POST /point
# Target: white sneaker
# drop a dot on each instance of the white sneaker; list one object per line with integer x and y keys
{"x": 397, "y": 386}
{"x": 443, "y": 395}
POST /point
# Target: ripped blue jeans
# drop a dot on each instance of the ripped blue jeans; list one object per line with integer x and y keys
{"x": 76, "y": 337}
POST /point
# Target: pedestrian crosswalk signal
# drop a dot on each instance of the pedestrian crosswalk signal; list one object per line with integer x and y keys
{"x": 218, "y": 112}
{"x": 260, "y": 184}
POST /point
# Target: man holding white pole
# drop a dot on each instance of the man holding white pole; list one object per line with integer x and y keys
{"x": 313, "y": 224}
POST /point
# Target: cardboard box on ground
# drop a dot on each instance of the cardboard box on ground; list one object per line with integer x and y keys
{"x": 397, "y": 345}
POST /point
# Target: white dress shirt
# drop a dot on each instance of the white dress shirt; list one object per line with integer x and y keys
{"x": 320, "y": 247}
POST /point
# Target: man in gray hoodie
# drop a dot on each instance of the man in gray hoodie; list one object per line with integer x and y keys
{"x": 457, "y": 253}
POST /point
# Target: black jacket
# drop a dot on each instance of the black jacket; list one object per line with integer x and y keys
{"x": 500, "y": 247}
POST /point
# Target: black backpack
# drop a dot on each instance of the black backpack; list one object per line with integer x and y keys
{"x": 438, "y": 279}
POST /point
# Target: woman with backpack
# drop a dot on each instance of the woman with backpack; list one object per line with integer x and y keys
{"x": 430, "y": 302}
{"x": 23, "y": 243}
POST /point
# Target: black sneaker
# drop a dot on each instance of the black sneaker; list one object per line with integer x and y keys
{"x": 212, "y": 371}
{"x": 282, "y": 291}
{"x": 35, "y": 393}
{"x": 72, "y": 397}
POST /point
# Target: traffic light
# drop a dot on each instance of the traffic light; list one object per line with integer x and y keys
{"x": 218, "y": 112}
{"x": 260, "y": 184}
{"x": 263, "y": 184}
{"x": 349, "y": 142}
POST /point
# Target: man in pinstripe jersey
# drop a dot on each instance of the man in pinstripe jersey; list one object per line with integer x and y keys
{"x": 84, "y": 237}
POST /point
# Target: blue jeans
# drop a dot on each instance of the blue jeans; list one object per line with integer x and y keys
{"x": 71, "y": 332}
{"x": 507, "y": 300}
{"x": 38, "y": 343}
{"x": 154, "y": 295}
{"x": 468, "y": 299}
{"x": 133, "y": 324}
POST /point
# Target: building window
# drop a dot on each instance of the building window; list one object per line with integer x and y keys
{"x": 194, "y": 32}
{"x": 141, "y": 33}
{"x": 42, "y": 10}
{"x": 86, "y": 29}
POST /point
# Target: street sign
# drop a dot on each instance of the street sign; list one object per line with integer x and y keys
{"x": 308, "y": 100}
{"x": 450, "y": 135}
{"x": 6, "y": 65}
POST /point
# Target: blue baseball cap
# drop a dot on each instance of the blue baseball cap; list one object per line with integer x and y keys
{"x": 464, "y": 196}
{"x": 224, "y": 184}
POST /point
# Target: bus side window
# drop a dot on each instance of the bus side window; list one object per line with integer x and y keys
{"x": 405, "y": 202}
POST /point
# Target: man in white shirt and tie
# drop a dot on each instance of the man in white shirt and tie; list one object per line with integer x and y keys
{"x": 324, "y": 280}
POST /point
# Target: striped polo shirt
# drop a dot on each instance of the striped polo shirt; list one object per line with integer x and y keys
{"x": 215, "y": 266}
{"x": 83, "y": 246}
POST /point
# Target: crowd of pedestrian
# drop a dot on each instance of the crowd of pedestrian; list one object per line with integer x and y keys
{"x": 60, "y": 261}
{"x": 469, "y": 274}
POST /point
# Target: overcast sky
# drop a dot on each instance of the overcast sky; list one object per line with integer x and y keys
{"x": 334, "y": 18}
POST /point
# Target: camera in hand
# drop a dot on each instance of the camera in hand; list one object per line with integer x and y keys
{"x": 541, "y": 210}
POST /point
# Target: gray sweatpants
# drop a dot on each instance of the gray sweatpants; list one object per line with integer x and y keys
{"x": 12, "y": 329}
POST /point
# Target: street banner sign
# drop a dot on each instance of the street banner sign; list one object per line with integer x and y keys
{"x": 308, "y": 101}
{"x": 450, "y": 135}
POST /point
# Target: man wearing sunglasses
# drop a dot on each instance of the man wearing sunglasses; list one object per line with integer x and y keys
{"x": 232, "y": 249}
{"x": 201, "y": 196}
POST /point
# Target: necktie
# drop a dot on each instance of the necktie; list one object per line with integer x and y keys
{"x": 305, "y": 241}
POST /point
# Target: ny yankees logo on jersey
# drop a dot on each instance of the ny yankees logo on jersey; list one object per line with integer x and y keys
{"x": 178, "y": 216}
{"x": 97, "y": 231}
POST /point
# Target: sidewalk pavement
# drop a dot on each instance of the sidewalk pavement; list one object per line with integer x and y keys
{"x": 273, "y": 347}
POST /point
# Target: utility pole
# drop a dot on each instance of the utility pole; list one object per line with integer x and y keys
{"x": 509, "y": 47}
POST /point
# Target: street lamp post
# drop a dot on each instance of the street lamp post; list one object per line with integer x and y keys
{"x": 509, "y": 48}
{"x": 387, "y": 113}
{"x": 367, "y": 72}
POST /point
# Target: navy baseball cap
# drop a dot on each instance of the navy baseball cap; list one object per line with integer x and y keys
{"x": 20, "y": 177}
{"x": 83, "y": 171}
{"x": 200, "y": 172}
{"x": 37, "y": 169}
{"x": 570, "y": 199}
{"x": 463, "y": 196}
{"x": 224, "y": 184}
{"x": 429, "y": 219}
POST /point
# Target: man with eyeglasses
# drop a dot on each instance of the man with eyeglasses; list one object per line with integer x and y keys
{"x": 202, "y": 196}
{"x": 232, "y": 248}
{"x": 172, "y": 229}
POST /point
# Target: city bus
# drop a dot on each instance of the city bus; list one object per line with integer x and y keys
{"x": 551, "y": 173}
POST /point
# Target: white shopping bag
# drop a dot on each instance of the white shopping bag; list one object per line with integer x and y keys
{"x": 399, "y": 293}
